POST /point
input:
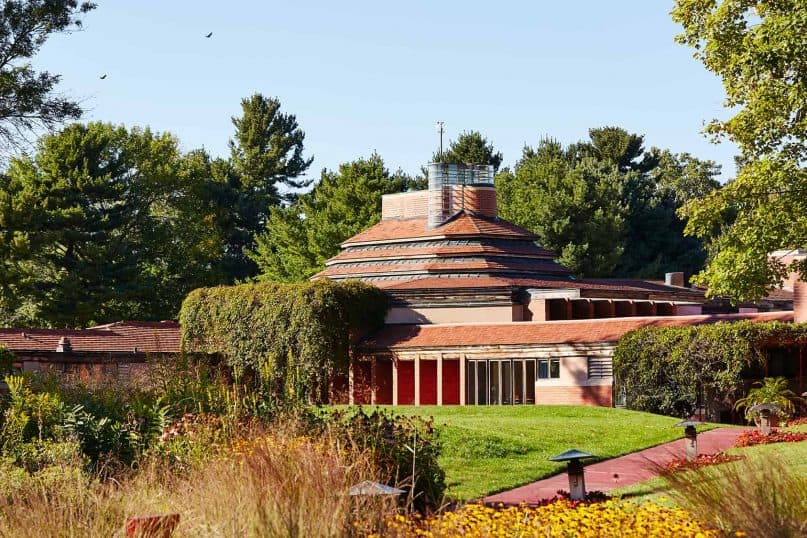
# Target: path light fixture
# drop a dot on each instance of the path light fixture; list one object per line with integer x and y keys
{"x": 764, "y": 412}
{"x": 373, "y": 488}
{"x": 690, "y": 437}
{"x": 577, "y": 482}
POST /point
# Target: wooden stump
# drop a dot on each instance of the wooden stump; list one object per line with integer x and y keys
{"x": 152, "y": 526}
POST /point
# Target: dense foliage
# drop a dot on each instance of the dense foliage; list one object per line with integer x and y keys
{"x": 400, "y": 446}
{"x": 606, "y": 205}
{"x": 757, "y": 47}
{"x": 103, "y": 223}
{"x": 294, "y": 337}
{"x": 29, "y": 99}
{"x": 665, "y": 370}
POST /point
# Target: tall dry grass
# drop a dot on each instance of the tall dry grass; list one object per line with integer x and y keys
{"x": 270, "y": 484}
{"x": 756, "y": 495}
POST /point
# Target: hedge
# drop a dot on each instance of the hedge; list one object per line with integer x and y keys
{"x": 294, "y": 337}
{"x": 662, "y": 370}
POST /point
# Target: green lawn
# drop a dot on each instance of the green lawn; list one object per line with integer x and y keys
{"x": 488, "y": 449}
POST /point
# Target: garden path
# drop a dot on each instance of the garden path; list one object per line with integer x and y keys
{"x": 619, "y": 472}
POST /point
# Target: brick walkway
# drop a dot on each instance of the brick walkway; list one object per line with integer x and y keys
{"x": 630, "y": 469}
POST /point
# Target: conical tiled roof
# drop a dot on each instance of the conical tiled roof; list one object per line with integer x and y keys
{"x": 468, "y": 245}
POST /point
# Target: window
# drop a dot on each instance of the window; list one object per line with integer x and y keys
{"x": 599, "y": 368}
{"x": 548, "y": 368}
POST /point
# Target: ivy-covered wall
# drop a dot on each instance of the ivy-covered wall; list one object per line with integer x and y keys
{"x": 294, "y": 337}
{"x": 662, "y": 370}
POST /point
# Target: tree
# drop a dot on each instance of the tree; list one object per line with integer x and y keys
{"x": 265, "y": 155}
{"x": 28, "y": 99}
{"x": 573, "y": 206}
{"x": 655, "y": 242}
{"x": 617, "y": 146}
{"x": 630, "y": 193}
{"x": 470, "y": 147}
{"x": 102, "y": 224}
{"x": 299, "y": 239}
{"x": 757, "y": 48}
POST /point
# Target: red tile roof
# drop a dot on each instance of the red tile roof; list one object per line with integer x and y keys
{"x": 527, "y": 249}
{"x": 548, "y": 332}
{"x": 500, "y": 282}
{"x": 122, "y": 336}
{"x": 463, "y": 225}
{"x": 436, "y": 265}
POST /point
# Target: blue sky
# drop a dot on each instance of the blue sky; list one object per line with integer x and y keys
{"x": 376, "y": 76}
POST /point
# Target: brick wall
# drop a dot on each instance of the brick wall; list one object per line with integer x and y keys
{"x": 587, "y": 395}
{"x": 481, "y": 200}
{"x": 407, "y": 205}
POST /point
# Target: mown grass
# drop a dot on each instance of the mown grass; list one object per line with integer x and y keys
{"x": 488, "y": 449}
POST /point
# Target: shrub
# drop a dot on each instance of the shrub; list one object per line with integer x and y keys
{"x": 771, "y": 390}
{"x": 665, "y": 369}
{"x": 401, "y": 447}
{"x": 294, "y": 337}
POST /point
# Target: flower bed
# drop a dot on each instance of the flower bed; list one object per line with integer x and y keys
{"x": 682, "y": 464}
{"x": 754, "y": 437}
{"x": 561, "y": 518}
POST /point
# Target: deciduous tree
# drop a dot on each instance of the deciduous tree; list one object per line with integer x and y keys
{"x": 28, "y": 98}
{"x": 757, "y": 48}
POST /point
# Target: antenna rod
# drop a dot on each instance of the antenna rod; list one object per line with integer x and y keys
{"x": 441, "y": 131}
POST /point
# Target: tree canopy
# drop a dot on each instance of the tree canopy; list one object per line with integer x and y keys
{"x": 606, "y": 205}
{"x": 102, "y": 224}
{"x": 757, "y": 48}
{"x": 470, "y": 147}
{"x": 28, "y": 99}
{"x": 299, "y": 239}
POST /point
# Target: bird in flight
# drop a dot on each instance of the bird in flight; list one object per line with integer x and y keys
{"x": 103, "y": 76}
{"x": 209, "y": 35}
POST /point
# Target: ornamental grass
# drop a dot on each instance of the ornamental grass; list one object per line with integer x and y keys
{"x": 562, "y": 519}
{"x": 274, "y": 484}
{"x": 757, "y": 494}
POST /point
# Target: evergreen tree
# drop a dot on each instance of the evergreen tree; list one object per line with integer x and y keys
{"x": 574, "y": 206}
{"x": 299, "y": 239}
{"x": 98, "y": 227}
{"x": 266, "y": 155}
{"x": 609, "y": 184}
{"x": 470, "y": 147}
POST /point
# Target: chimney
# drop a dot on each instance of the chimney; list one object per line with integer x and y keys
{"x": 799, "y": 301}
{"x": 64, "y": 345}
{"x": 674, "y": 279}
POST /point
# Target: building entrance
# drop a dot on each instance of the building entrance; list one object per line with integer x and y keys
{"x": 500, "y": 381}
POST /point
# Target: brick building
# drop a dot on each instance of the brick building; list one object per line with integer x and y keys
{"x": 117, "y": 350}
{"x": 482, "y": 314}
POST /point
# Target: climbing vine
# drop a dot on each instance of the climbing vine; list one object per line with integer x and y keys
{"x": 293, "y": 337}
{"x": 6, "y": 361}
{"x": 663, "y": 370}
